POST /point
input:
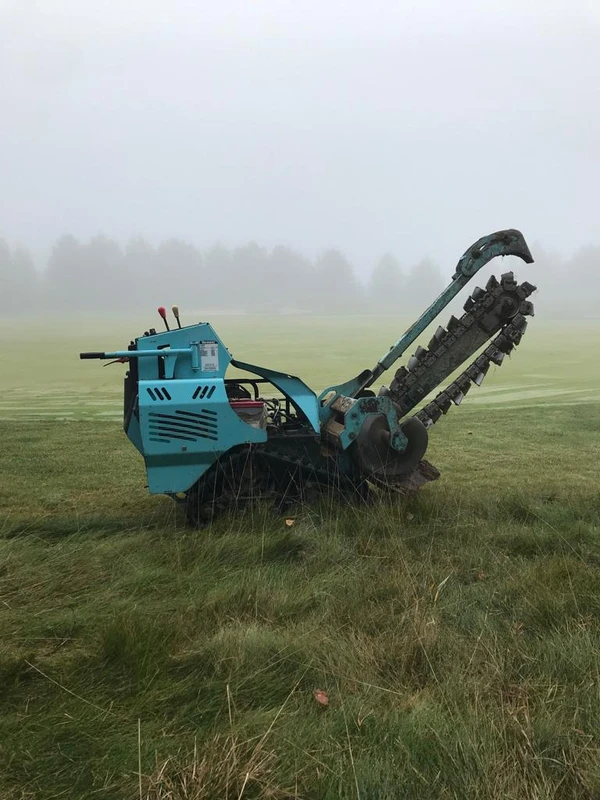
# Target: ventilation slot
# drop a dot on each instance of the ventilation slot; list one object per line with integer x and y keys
{"x": 203, "y": 392}
{"x": 158, "y": 393}
{"x": 186, "y": 426}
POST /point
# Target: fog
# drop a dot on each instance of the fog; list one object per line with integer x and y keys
{"x": 362, "y": 129}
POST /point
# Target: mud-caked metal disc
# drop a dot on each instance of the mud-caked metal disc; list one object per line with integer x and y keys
{"x": 376, "y": 456}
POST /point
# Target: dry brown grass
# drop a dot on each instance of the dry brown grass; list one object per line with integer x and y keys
{"x": 226, "y": 767}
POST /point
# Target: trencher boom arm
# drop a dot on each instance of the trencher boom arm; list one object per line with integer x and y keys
{"x": 502, "y": 243}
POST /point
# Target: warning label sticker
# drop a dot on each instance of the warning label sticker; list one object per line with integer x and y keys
{"x": 209, "y": 357}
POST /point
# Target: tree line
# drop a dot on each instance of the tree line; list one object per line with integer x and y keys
{"x": 100, "y": 275}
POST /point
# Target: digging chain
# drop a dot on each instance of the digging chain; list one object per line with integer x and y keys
{"x": 500, "y": 309}
{"x": 509, "y": 338}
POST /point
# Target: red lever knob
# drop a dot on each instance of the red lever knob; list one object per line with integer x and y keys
{"x": 163, "y": 312}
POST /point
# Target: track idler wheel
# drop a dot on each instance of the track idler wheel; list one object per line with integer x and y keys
{"x": 375, "y": 454}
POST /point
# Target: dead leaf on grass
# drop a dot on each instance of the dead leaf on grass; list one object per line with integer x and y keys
{"x": 321, "y": 697}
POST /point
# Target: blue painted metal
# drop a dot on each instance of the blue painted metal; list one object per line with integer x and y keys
{"x": 360, "y": 410}
{"x": 183, "y": 419}
{"x": 181, "y": 436}
{"x": 302, "y": 397}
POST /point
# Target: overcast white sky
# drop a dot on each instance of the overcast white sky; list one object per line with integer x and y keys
{"x": 414, "y": 127}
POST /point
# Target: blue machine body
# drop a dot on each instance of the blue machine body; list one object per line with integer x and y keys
{"x": 177, "y": 411}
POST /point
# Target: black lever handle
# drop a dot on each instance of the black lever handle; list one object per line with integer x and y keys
{"x": 92, "y": 355}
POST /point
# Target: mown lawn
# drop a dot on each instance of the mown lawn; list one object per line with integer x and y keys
{"x": 456, "y": 635}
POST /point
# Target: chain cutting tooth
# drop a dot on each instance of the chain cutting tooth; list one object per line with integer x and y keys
{"x": 492, "y": 283}
{"x": 527, "y": 288}
{"x": 444, "y": 402}
{"x": 515, "y": 336}
{"x": 496, "y": 356}
{"x": 436, "y": 338}
{"x": 519, "y": 325}
{"x": 455, "y": 394}
{"x": 433, "y": 411}
{"x": 508, "y": 280}
{"x": 414, "y": 361}
{"x": 526, "y": 308}
{"x": 464, "y": 383}
{"x": 482, "y": 365}
{"x": 519, "y": 322}
{"x": 472, "y": 372}
{"x": 478, "y": 293}
{"x": 452, "y": 323}
{"x": 469, "y": 304}
{"x": 504, "y": 343}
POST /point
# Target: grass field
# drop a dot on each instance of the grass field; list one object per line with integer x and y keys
{"x": 456, "y": 635}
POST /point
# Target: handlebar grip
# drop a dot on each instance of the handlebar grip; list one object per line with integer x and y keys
{"x": 92, "y": 355}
